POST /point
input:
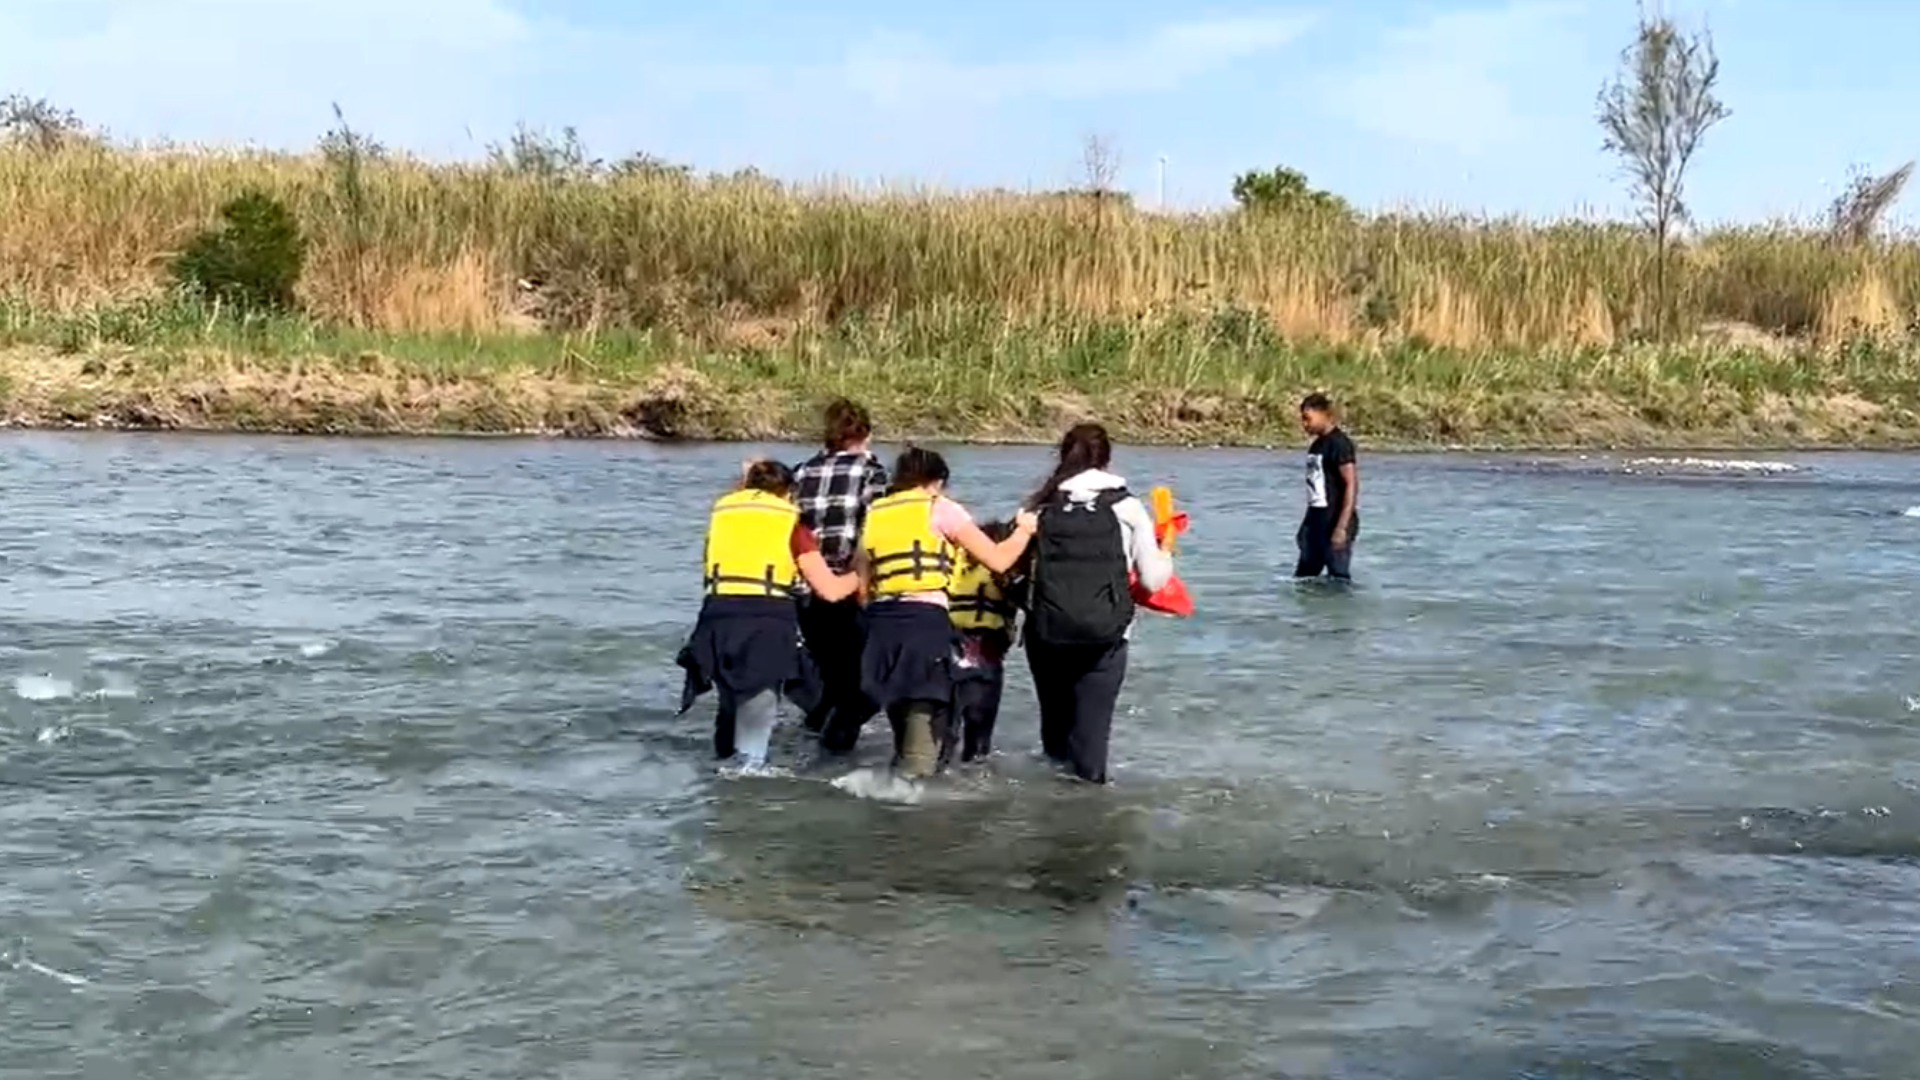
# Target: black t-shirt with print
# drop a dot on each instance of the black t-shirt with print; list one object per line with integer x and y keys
{"x": 1326, "y": 487}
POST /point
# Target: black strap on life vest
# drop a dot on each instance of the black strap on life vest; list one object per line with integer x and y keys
{"x": 981, "y": 604}
{"x": 767, "y": 583}
{"x": 919, "y": 559}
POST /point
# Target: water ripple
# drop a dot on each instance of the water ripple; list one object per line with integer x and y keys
{"x": 339, "y": 756}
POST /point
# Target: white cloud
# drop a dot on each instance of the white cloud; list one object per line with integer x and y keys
{"x": 1449, "y": 81}
{"x": 232, "y": 70}
{"x": 897, "y": 69}
{"x": 442, "y": 75}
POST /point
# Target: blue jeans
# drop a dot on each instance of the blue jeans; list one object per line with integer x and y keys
{"x": 745, "y": 726}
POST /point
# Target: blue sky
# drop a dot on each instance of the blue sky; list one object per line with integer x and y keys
{"x": 1482, "y": 107}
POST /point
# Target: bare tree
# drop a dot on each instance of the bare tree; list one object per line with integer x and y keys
{"x": 1100, "y": 165}
{"x": 1856, "y": 213}
{"x": 1653, "y": 116}
{"x": 37, "y": 122}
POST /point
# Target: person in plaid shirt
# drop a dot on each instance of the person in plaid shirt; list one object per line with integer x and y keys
{"x": 834, "y": 489}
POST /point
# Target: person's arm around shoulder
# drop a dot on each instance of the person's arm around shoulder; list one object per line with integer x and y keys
{"x": 826, "y": 585}
{"x": 1151, "y": 563}
{"x": 958, "y": 526}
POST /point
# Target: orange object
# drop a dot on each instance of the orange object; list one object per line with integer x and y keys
{"x": 1172, "y": 598}
{"x": 1164, "y": 519}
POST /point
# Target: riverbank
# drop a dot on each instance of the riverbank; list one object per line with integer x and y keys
{"x": 308, "y": 379}
{"x": 484, "y": 299}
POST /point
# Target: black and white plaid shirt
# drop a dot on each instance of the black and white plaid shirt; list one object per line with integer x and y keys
{"x": 834, "y": 492}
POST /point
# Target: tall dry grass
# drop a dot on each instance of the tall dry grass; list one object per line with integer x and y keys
{"x": 453, "y": 248}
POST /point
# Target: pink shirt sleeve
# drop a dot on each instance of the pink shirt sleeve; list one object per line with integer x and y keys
{"x": 949, "y": 518}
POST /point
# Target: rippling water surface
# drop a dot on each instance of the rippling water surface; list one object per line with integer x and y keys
{"x": 336, "y": 758}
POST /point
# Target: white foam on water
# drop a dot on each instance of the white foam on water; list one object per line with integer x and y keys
{"x": 733, "y": 771}
{"x": 1911, "y": 511}
{"x": 880, "y": 785}
{"x": 114, "y": 685}
{"x": 1714, "y": 465}
{"x": 41, "y": 688}
{"x": 47, "y": 736}
{"x": 22, "y": 962}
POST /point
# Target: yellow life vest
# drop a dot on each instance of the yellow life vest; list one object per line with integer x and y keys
{"x": 974, "y": 600}
{"x": 904, "y": 554}
{"x": 750, "y": 545}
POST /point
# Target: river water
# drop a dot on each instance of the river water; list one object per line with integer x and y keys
{"x": 345, "y": 758}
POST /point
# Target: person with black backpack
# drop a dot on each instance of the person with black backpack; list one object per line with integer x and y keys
{"x": 1092, "y": 534}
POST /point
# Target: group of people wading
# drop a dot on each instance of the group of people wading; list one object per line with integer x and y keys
{"x": 852, "y": 592}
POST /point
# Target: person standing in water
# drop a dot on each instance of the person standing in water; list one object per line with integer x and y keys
{"x": 908, "y": 556}
{"x": 1332, "y": 521}
{"x": 746, "y": 643}
{"x": 835, "y": 488}
{"x": 984, "y": 614}
{"x": 1080, "y": 609}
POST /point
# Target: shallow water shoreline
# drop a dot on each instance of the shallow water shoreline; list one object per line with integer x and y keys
{"x": 1679, "y": 443}
{"x": 707, "y": 399}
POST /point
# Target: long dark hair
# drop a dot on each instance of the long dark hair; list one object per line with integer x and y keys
{"x": 1085, "y": 446}
{"x": 772, "y": 477}
{"x": 917, "y": 467}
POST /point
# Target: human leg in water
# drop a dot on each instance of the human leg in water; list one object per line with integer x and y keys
{"x": 919, "y": 730}
{"x": 1314, "y": 538}
{"x": 1054, "y": 691}
{"x": 748, "y": 727}
{"x": 844, "y": 707}
{"x": 833, "y": 636}
{"x": 725, "y": 723}
{"x": 1096, "y": 695}
{"x": 753, "y": 727}
{"x": 1083, "y": 684}
{"x": 977, "y": 698}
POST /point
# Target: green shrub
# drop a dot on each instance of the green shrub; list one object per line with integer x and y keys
{"x": 252, "y": 260}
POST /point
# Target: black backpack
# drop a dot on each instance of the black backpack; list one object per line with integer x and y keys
{"x": 1078, "y": 585}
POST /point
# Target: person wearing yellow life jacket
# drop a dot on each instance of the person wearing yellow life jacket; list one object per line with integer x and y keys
{"x": 908, "y": 553}
{"x": 746, "y": 643}
{"x": 983, "y": 613}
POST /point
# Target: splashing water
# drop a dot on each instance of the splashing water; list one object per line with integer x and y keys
{"x": 881, "y": 785}
{"x": 1713, "y": 465}
{"x": 114, "y": 685}
{"x": 41, "y": 688}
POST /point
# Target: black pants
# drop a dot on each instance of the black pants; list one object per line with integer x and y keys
{"x": 976, "y": 698}
{"x": 834, "y": 638}
{"x": 1078, "y": 687}
{"x": 1317, "y": 553}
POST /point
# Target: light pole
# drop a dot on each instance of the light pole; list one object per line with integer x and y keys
{"x": 1163, "y": 182}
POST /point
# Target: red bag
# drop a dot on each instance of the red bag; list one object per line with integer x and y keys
{"x": 1172, "y": 598}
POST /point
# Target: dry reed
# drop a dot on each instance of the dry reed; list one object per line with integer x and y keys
{"x": 442, "y": 248}
{"x": 724, "y": 307}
